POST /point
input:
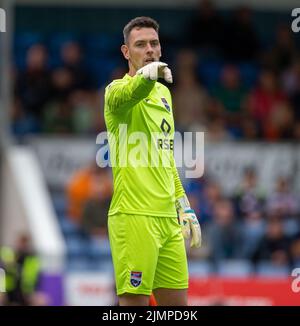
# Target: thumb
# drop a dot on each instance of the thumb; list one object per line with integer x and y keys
{"x": 168, "y": 75}
{"x": 196, "y": 234}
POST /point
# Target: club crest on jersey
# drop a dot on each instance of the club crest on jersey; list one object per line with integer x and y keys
{"x": 135, "y": 279}
{"x": 165, "y": 103}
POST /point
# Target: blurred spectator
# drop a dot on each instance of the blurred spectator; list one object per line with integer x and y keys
{"x": 33, "y": 85}
{"x": 82, "y": 187}
{"x": 190, "y": 99}
{"x": 62, "y": 84}
{"x": 283, "y": 201}
{"x": 230, "y": 92}
{"x": 284, "y": 50}
{"x": 217, "y": 131}
{"x": 206, "y": 28}
{"x": 211, "y": 195}
{"x": 72, "y": 59}
{"x": 295, "y": 251}
{"x": 266, "y": 99}
{"x": 295, "y": 99}
{"x": 281, "y": 122}
{"x": 291, "y": 78}
{"x": 250, "y": 129}
{"x": 57, "y": 118}
{"x": 241, "y": 42}
{"x": 71, "y": 110}
{"x": 253, "y": 229}
{"x": 292, "y": 82}
{"x": 225, "y": 234}
{"x": 8, "y": 263}
{"x": 95, "y": 210}
{"x": 274, "y": 246}
{"x": 84, "y": 112}
{"x": 22, "y": 268}
{"x": 249, "y": 197}
{"x": 296, "y": 132}
{"x": 231, "y": 95}
{"x": 22, "y": 123}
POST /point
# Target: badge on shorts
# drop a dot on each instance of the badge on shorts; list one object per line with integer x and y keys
{"x": 135, "y": 279}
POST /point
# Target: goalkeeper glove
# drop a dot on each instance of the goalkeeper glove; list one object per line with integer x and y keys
{"x": 189, "y": 222}
{"x": 155, "y": 70}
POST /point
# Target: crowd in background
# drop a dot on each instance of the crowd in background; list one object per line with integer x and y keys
{"x": 21, "y": 276}
{"x": 226, "y": 83}
{"x": 249, "y": 225}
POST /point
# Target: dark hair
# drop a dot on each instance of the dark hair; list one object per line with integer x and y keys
{"x": 139, "y": 22}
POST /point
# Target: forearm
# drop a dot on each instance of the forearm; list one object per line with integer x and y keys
{"x": 123, "y": 94}
{"x": 179, "y": 190}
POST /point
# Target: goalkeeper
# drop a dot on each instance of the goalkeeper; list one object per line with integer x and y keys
{"x": 147, "y": 242}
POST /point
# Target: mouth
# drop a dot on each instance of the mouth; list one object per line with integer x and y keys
{"x": 149, "y": 60}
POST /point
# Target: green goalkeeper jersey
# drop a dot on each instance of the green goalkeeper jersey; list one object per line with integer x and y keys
{"x": 139, "y": 120}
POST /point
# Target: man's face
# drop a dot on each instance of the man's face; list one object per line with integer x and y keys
{"x": 143, "y": 47}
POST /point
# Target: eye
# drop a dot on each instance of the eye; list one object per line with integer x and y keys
{"x": 140, "y": 44}
{"x": 154, "y": 43}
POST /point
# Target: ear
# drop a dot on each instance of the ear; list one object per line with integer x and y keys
{"x": 125, "y": 51}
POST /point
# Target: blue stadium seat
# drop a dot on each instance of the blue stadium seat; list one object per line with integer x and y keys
{"x": 266, "y": 268}
{"x": 59, "y": 202}
{"x": 102, "y": 69}
{"x": 291, "y": 227}
{"x": 55, "y": 43}
{"x": 210, "y": 73}
{"x": 78, "y": 264}
{"x": 24, "y": 40}
{"x": 296, "y": 263}
{"x": 56, "y": 40}
{"x": 20, "y": 60}
{"x": 79, "y": 259}
{"x": 252, "y": 235}
{"x": 234, "y": 268}
{"x": 76, "y": 248}
{"x": 200, "y": 268}
{"x": 249, "y": 73}
{"x": 103, "y": 44}
{"x": 68, "y": 227}
{"x": 99, "y": 248}
{"x": 104, "y": 266}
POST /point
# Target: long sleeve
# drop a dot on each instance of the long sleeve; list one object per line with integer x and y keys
{"x": 127, "y": 92}
{"x": 179, "y": 190}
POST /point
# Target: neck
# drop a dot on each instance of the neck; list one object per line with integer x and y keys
{"x": 132, "y": 70}
{"x": 131, "y": 73}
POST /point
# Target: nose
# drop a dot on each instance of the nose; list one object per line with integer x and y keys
{"x": 149, "y": 48}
